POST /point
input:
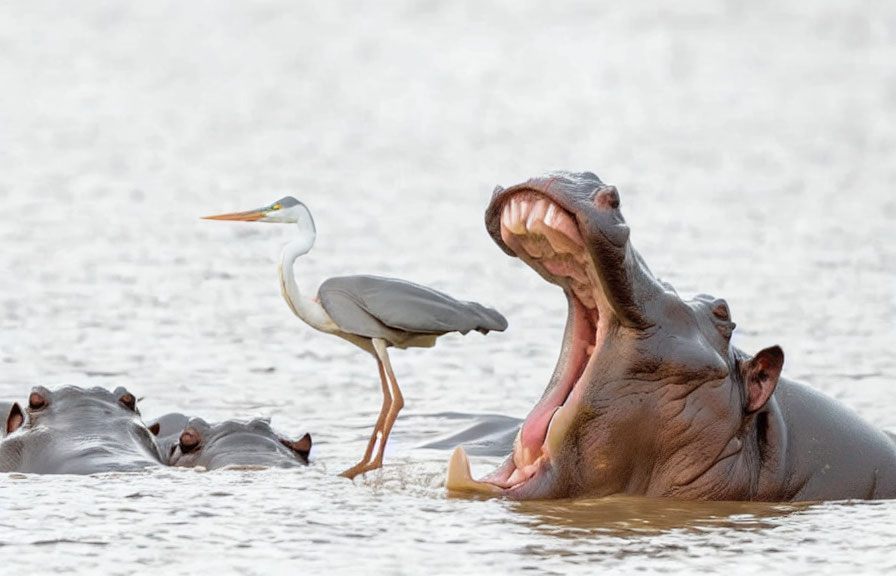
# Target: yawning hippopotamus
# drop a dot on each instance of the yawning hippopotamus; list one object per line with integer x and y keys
{"x": 648, "y": 396}
{"x": 77, "y": 431}
{"x": 234, "y": 443}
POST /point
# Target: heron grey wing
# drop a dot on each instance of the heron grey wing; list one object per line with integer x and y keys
{"x": 348, "y": 313}
{"x": 409, "y": 307}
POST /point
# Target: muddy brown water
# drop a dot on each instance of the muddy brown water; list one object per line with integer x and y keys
{"x": 753, "y": 145}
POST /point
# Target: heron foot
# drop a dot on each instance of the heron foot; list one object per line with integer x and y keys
{"x": 362, "y": 468}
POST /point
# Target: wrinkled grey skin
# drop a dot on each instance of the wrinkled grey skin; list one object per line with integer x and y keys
{"x": 167, "y": 430}
{"x": 670, "y": 407}
{"x": 77, "y": 431}
{"x": 234, "y": 443}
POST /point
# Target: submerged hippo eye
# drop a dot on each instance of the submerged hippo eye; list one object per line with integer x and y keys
{"x": 128, "y": 401}
{"x": 36, "y": 401}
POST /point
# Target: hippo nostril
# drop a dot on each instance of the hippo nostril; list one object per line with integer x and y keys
{"x": 36, "y": 401}
{"x": 189, "y": 439}
{"x": 607, "y": 198}
{"x": 128, "y": 401}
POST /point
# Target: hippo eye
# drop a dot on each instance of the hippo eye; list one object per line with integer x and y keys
{"x": 606, "y": 198}
{"x": 36, "y": 401}
{"x": 720, "y": 310}
{"x": 128, "y": 401}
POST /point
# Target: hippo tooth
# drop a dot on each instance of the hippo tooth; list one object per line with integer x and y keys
{"x": 532, "y": 214}
{"x": 550, "y": 214}
{"x": 558, "y": 428}
{"x": 562, "y": 222}
{"x": 516, "y": 224}
{"x": 537, "y": 213}
{"x": 460, "y": 479}
{"x": 505, "y": 216}
{"x": 558, "y": 241}
{"x": 523, "y": 210}
{"x": 522, "y": 456}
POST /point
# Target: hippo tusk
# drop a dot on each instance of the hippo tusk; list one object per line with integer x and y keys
{"x": 460, "y": 479}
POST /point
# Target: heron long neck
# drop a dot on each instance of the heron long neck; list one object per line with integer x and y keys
{"x": 305, "y": 308}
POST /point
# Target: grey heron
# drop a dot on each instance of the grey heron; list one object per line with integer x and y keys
{"x": 371, "y": 312}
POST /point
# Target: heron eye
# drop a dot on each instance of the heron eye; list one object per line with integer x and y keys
{"x": 276, "y": 206}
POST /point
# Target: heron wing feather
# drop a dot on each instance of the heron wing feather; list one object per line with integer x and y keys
{"x": 365, "y": 301}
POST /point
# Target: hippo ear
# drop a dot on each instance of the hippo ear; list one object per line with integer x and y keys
{"x": 155, "y": 429}
{"x": 761, "y": 376}
{"x": 14, "y": 419}
{"x": 302, "y": 446}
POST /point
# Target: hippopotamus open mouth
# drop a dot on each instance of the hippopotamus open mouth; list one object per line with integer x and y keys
{"x": 545, "y": 230}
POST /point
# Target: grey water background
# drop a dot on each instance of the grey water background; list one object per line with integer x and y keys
{"x": 753, "y": 144}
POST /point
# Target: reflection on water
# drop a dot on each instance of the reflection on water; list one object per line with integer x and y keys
{"x": 753, "y": 147}
{"x": 623, "y": 516}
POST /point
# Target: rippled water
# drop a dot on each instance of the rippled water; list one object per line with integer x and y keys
{"x": 753, "y": 144}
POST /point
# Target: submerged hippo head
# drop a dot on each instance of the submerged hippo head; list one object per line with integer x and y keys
{"x": 77, "y": 431}
{"x": 648, "y": 397}
{"x": 234, "y": 443}
{"x": 167, "y": 431}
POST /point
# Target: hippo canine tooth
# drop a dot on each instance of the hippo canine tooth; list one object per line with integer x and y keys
{"x": 460, "y": 479}
{"x": 558, "y": 427}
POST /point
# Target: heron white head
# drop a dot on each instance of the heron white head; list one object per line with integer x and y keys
{"x": 286, "y": 210}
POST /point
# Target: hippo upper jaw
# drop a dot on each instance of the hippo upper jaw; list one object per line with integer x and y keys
{"x": 569, "y": 228}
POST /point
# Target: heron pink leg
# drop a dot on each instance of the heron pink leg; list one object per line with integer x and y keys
{"x": 397, "y": 401}
{"x": 364, "y": 464}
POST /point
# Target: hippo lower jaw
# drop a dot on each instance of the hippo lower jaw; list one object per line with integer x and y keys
{"x": 548, "y": 239}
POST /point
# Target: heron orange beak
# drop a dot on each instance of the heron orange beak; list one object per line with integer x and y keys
{"x": 248, "y": 216}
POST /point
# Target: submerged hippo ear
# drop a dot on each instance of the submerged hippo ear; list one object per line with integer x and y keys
{"x": 128, "y": 401}
{"x": 14, "y": 419}
{"x": 302, "y": 446}
{"x": 761, "y": 376}
{"x": 155, "y": 429}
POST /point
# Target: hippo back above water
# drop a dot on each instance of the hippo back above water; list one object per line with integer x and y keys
{"x": 649, "y": 396}
{"x": 77, "y": 431}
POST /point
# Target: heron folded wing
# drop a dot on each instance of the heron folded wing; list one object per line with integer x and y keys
{"x": 366, "y": 301}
